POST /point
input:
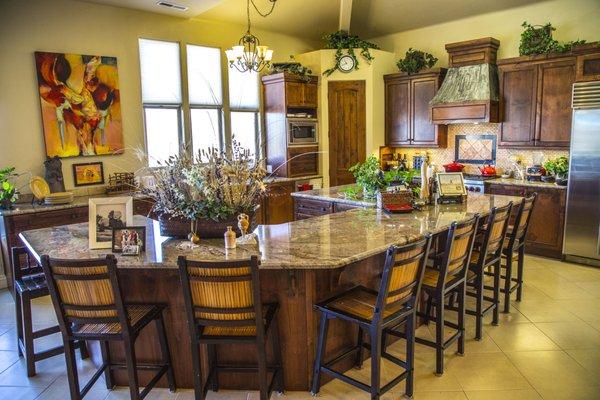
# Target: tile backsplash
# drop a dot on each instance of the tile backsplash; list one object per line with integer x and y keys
{"x": 503, "y": 156}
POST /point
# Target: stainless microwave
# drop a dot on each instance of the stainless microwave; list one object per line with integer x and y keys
{"x": 302, "y": 131}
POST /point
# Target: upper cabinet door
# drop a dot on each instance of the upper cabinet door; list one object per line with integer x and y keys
{"x": 293, "y": 94}
{"x": 300, "y": 94}
{"x": 423, "y": 131}
{"x": 397, "y": 113}
{"x": 310, "y": 95}
{"x": 555, "y": 83}
{"x": 518, "y": 88}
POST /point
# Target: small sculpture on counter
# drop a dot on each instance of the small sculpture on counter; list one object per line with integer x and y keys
{"x": 54, "y": 174}
{"x": 243, "y": 223}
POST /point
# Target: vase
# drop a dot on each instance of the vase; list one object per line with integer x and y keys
{"x": 177, "y": 227}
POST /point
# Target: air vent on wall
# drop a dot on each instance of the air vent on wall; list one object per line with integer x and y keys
{"x": 171, "y": 5}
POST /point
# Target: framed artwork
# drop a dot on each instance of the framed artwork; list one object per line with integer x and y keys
{"x": 88, "y": 174}
{"x": 451, "y": 184}
{"x": 475, "y": 149}
{"x": 106, "y": 214}
{"x": 130, "y": 240}
{"x": 81, "y": 105}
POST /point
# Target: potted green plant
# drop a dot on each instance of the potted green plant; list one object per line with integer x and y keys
{"x": 369, "y": 176}
{"x": 416, "y": 60}
{"x": 562, "y": 170}
{"x": 340, "y": 41}
{"x": 550, "y": 167}
{"x": 200, "y": 196}
{"x": 8, "y": 192}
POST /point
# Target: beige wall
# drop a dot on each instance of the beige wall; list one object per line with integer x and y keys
{"x": 574, "y": 19}
{"x": 79, "y": 27}
{"x": 372, "y": 74}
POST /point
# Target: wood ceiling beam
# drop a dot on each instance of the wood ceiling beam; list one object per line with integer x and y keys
{"x": 345, "y": 15}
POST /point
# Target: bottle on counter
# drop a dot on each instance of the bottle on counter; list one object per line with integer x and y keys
{"x": 424, "y": 195}
{"x": 230, "y": 240}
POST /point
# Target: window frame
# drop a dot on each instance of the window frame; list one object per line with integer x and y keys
{"x": 225, "y": 134}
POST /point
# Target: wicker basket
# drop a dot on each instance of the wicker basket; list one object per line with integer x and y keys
{"x": 205, "y": 228}
{"x": 397, "y": 198}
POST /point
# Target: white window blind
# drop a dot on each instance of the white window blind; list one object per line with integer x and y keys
{"x": 204, "y": 75}
{"x": 243, "y": 90}
{"x": 161, "y": 72}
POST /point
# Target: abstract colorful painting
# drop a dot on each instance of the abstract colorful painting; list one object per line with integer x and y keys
{"x": 81, "y": 108}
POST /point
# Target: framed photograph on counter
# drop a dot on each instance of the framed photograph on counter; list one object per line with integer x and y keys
{"x": 130, "y": 240}
{"x": 451, "y": 184}
{"x": 106, "y": 214}
{"x": 88, "y": 174}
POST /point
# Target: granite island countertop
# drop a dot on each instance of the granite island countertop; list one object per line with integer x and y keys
{"x": 328, "y": 241}
{"x": 336, "y": 194}
{"x": 519, "y": 182}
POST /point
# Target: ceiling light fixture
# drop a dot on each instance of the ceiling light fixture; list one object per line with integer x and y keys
{"x": 249, "y": 55}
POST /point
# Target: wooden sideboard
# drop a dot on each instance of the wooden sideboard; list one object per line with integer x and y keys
{"x": 12, "y": 225}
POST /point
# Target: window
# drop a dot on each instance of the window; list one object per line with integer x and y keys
{"x": 161, "y": 98}
{"x": 244, "y": 105}
{"x": 206, "y": 96}
{"x": 195, "y": 116}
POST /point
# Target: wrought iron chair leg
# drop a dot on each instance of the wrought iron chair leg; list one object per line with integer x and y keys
{"x": 72, "y": 369}
{"x": 106, "y": 359}
{"x": 316, "y": 381}
{"x": 130, "y": 360}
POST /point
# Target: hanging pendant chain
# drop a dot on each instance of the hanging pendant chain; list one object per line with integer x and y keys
{"x": 258, "y": 11}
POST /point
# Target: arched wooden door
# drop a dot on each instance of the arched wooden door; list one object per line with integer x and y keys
{"x": 347, "y": 129}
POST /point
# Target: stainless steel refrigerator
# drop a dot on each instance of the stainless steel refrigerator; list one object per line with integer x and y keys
{"x": 582, "y": 227}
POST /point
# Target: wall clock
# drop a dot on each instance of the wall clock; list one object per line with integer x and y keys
{"x": 346, "y": 63}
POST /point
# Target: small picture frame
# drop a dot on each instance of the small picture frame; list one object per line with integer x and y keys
{"x": 129, "y": 241}
{"x": 451, "y": 184}
{"x": 85, "y": 174}
{"x": 106, "y": 214}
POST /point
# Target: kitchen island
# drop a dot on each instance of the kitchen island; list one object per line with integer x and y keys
{"x": 302, "y": 262}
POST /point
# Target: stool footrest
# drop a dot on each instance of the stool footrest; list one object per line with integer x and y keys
{"x": 46, "y": 331}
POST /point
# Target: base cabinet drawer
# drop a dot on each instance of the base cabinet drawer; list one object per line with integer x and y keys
{"x": 339, "y": 207}
{"x": 304, "y": 208}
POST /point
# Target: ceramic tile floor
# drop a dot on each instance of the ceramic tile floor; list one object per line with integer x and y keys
{"x": 547, "y": 347}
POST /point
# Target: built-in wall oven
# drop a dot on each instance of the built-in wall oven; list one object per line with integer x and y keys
{"x": 302, "y": 131}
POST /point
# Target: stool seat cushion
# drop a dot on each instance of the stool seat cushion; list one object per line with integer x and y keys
{"x": 139, "y": 315}
{"x": 360, "y": 302}
{"x": 34, "y": 284}
{"x": 268, "y": 311}
{"x": 430, "y": 279}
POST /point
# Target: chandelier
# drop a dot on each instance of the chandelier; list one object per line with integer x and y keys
{"x": 249, "y": 54}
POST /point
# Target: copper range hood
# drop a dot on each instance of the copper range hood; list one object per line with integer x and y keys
{"x": 470, "y": 90}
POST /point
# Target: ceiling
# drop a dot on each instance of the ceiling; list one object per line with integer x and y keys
{"x": 310, "y": 19}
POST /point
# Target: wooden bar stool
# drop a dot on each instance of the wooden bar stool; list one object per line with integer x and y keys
{"x": 29, "y": 284}
{"x": 486, "y": 254}
{"x": 449, "y": 275}
{"x": 514, "y": 250}
{"x": 222, "y": 301}
{"x": 89, "y": 306}
{"x": 376, "y": 312}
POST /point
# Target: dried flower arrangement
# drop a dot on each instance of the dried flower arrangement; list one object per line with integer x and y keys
{"x": 213, "y": 185}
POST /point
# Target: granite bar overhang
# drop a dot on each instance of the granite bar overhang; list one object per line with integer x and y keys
{"x": 328, "y": 241}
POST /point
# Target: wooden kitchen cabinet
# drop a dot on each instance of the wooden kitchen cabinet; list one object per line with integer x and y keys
{"x": 407, "y": 119}
{"x": 535, "y": 101}
{"x": 308, "y": 208}
{"x": 301, "y": 94}
{"x": 278, "y": 205}
{"x": 546, "y": 230}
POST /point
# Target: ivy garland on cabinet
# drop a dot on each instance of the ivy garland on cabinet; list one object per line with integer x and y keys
{"x": 341, "y": 41}
{"x": 537, "y": 39}
{"x": 416, "y": 60}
